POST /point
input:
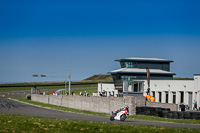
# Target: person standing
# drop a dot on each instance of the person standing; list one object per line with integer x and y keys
{"x": 86, "y": 94}
{"x": 195, "y": 104}
{"x": 100, "y": 94}
{"x": 81, "y": 94}
{"x": 103, "y": 93}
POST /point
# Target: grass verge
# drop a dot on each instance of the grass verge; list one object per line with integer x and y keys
{"x": 20, "y": 123}
{"x": 152, "y": 118}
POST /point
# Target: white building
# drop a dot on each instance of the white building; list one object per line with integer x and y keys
{"x": 131, "y": 80}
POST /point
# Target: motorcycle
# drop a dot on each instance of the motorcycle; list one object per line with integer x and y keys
{"x": 120, "y": 114}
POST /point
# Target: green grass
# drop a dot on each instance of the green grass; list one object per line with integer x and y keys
{"x": 8, "y": 89}
{"x": 30, "y": 124}
{"x": 99, "y": 78}
{"x": 77, "y": 91}
{"x": 61, "y": 108}
{"x": 44, "y": 83}
{"x": 152, "y": 118}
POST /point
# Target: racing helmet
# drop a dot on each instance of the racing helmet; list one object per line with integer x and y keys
{"x": 126, "y": 106}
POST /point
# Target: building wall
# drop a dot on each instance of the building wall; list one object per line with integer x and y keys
{"x": 174, "y": 86}
{"x": 197, "y": 87}
{"x": 108, "y": 87}
{"x": 171, "y": 87}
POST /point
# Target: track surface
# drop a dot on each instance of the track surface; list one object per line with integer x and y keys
{"x": 14, "y": 107}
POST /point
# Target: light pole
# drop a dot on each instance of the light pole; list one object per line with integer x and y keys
{"x": 65, "y": 87}
{"x": 69, "y": 81}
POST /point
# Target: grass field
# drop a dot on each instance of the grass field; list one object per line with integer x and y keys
{"x": 21, "y": 88}
{"x": 152, "y": 118}
{"x": 30, "y": 124}
{"x": 77, "y": 91}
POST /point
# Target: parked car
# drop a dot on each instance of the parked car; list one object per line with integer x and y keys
{"x": 60, "y": 91}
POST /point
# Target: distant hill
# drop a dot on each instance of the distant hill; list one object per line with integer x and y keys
{"x": 99, "y": 78}
{"x": 91, "y": 80}
{"x": 179, "y": 78}
{"x": 108, "y": 78}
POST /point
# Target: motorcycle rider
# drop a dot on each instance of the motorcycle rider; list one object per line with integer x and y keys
{"x": 120, "y": 114}
{"x": 125, "y": 108}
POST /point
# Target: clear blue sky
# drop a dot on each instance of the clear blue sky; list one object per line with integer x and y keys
{"x": 51, "y": 37}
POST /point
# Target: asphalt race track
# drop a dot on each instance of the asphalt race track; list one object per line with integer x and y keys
{"x": 14, "y": 107}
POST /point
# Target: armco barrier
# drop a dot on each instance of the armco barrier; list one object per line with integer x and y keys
{"x": 99, "y": 104}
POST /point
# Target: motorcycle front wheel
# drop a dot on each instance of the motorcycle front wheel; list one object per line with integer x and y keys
{"x": 123, "y": 117}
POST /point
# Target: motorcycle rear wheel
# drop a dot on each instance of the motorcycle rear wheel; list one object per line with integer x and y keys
{"x": 112, "y": 118}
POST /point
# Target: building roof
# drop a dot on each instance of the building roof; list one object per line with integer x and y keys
{"x": 141, "y": 71}
{"x": 144, "y": 59}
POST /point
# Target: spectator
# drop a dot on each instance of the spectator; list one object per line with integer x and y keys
{"x": 195, "y": 105}
{"x": 152, "y": 99}
{"x": 100, "y": 94}
{"x": 86, "y": 94}
{"x": 110, "y": 94}
{"x": 148, "y": 97}
{"x": 81, "y": 94}
{"x": 73, "y": 94}
{"x": 103, "y": 93}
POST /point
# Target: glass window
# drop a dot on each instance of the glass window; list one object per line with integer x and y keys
{"x": 129, "y": 64}
{"x": 133, "y": 86}
{"x": 136, "y": 85}
{"x": 132, "y": 77}
{"x": 153, "y": 93}
{"x": 160, "y": 96}
{"x": 125, "y": 86}
{"x": 141, "y": 86}
{"x": 174, "y": 97}
{"x": 122, "y": 64}
{"x": 166, "y": 96}
{"x": 182, "y": 97}
{"x": 129, "y": 78}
